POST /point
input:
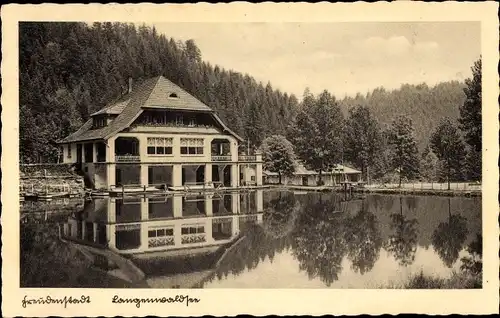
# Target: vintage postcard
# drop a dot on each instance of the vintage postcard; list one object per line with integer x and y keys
{"x": 225, "y": 159}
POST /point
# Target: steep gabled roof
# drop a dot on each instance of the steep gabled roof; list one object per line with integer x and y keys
{"x": 168, "y": 95}
{"x": 157, "y": 92}
{"x": 113, "y": 109}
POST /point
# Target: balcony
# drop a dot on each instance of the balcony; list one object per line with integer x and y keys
{"x": 221, "y": 158}
{"x": 247, "y": 158}
{"x": 127, "y": 158}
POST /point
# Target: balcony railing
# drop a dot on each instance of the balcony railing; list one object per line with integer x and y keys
{"x": 161, "y": 241}
{"x": 193, "y": 238}
{"x": 221, "y": 158}
{"x": 247, "y": 158}
{"x": 127, "y": 158}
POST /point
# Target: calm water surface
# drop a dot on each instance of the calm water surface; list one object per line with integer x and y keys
{"x": 268, "y": 239}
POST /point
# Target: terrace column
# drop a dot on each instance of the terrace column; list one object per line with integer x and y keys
{"x": 111, "y": 211}
{"x": 177, "y": 175}
{"x": 209, "y": 230}
{"x": 144, "y": 209}
{"x": 144, "y": 174}
{"x": 259, "y": 200}
{"x": 258, "y": 170}
{"x": 260, "y": 218}
{"x": 84, "y": 230}
{"x": 209, "y": 211}
{"x": 177, "y": 234}
{"x": 94, "y": 152}
{"x": 234, "y": 176}
{"x": 235, "y": 202}
{"x": 208, "y": 173}
{"x": 110, "y": 159}
{"x": 177, "y": 206}
{"x": 235, "y": 225}
{"x": 234, "y": 151}
{"x": 111, "y": 235}
{"x": 110, "y": 173}
{"x": 143, "y": 148}
{"x": 95, "y": 231}
{"x": 144, "y": 237}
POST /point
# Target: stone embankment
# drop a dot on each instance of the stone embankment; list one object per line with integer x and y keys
{"x": 38, "y": 180}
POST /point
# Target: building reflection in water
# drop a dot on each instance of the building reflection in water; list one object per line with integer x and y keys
{"x": 145, "y": 224}
{"x": 153, "y": 229}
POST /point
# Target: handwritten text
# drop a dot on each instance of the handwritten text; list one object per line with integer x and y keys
{"x": 49, "y": 300}
{"x": 162, "y": 300}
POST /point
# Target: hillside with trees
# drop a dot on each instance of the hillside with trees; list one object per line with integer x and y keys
{"x": 70, "y": 70}
{"x": 424, "y": 104}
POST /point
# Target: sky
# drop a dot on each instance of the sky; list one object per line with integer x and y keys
{"x": 344, "y": 58}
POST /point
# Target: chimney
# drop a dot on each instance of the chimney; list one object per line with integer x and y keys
{"x": 130, "y": 85}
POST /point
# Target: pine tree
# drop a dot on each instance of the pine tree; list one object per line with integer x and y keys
{"x": 362, "y": 138}
{"x": 429, "y": 165}
{"x": 404, "y": 148}
{"x": 449, "y": 148}
{"x": 471, "y": 122}
{"x": 318, "y": 132}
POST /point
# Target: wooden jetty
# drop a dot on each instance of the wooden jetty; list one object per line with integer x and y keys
{"x": 164, "y": 189}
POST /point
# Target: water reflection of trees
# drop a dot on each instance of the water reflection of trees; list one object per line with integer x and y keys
{"x": 473, "y": 263}
{"x": 320, "y": 236}
{"x": 449, "y": 237}
{"x": 319, "y": 241}
{"x": 364, "y": 241}
{"x": 280, "y": 215}
{"x": 402, "y": 243}
{"x": 253, "y": 249}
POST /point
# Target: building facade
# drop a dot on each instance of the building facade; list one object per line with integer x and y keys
{"x": 157, "y": 134}
{"x": 304, "y": 177}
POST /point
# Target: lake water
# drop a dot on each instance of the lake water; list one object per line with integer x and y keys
{"x": 270, "y": 239}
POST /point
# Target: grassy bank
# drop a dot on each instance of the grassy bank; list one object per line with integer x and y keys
{"x": 457, "y": 280}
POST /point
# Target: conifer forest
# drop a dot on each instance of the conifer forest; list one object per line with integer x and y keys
{"x": 70, "y": 70}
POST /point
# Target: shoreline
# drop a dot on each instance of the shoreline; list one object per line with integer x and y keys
{"x": 363, "y": 190}
{"x": 401, "y": 191}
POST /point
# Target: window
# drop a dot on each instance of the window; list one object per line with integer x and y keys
{"x": 192, "y": 122}
{"x": 69, "y": 151}
{"x": 193, "y": 230}
{"x": 160, "y": 146}
{"x": 173, "y": 95}
{"x": 99, "y": 122}
{"x": 179, "y": 120}
{"x": 161, "y": 232}
{"x": 192, "y": 146}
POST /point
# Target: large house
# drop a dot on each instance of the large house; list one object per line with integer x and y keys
{"x": 159, "y": 135}
{"x": 305, "y": 177}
